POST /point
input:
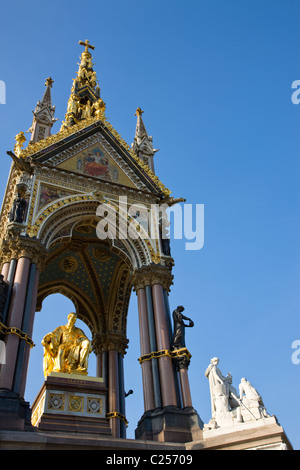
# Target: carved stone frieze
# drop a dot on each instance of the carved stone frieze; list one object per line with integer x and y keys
{"x": 110, "y": 342}
{"x": 22, "y": 247}
{"x": 85, "y": 184}
{"x": 151, "y": 275}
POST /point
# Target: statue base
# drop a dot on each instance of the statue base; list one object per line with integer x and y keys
{"x": 72, "y": 403}
{"x": 263, "y": 434}
{"x": 170, "y": 424}
{"x": 15, "y": 413}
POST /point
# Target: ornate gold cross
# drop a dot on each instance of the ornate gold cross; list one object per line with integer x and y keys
{"x": 87, "y": 45}
{"x": 139, "y": 112}
{"x": 49, "y": 81}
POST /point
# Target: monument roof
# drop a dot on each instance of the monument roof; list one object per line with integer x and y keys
{"x": 85, "y": 117}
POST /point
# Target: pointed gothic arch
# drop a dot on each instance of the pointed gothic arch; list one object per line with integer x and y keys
{"x": 60, "y": 221}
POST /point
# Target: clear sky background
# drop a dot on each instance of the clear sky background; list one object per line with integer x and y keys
{"x": 214, "y": 79}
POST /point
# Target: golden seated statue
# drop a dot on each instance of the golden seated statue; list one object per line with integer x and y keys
{"x": 66, "y": 349}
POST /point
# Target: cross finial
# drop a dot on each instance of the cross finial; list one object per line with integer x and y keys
{"x": 139, "y": 112}
{"x": 87, "y": 45}
{"x": 49, "y": 82}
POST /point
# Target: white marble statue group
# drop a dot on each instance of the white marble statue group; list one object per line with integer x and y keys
{"x": 228, "y": 406}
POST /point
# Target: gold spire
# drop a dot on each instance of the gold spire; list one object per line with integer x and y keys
{"x": 84, "y": 102}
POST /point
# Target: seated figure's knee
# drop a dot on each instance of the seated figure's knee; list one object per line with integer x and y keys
{"x": 85, "y": 344}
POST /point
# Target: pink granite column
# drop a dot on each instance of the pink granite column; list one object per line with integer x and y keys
{"x": 99, "y": 365}
{"x": 149, "y": 403}
{"x": 15, "y": 317}
{"x": 185, "y": 387}
{"x": 167, "y": 382}
{"x": 4, "y": 272}
{"x": 30, "y": 330}
{"x": 113, "y": 391}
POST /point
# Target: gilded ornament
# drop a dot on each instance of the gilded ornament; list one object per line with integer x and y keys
{"x": 20, "y": 139}
{"x": 139, "y": 112}
{"x": 75, "y": 404}
{"x": 69, "y": 264}
{"x": 49, "y": 82}
{"x": 116, "y": 414}
{"x": 99, "y": 108}
{"x": 87, "y": 45}
{"x": 85, "y": 107}
{"x": 72, "y": 104}
{"x": 5, "y": 330}
{"x": 87, "y": 110}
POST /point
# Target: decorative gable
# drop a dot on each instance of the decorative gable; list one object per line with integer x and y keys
{"x": 95, "y": 161}
{"x": 57, "y": 149}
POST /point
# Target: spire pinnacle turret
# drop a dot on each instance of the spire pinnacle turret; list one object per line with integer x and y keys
{"x": 143, "y": 143}
{"x": 43, "y": 115}
{"x": 84, "y": 101}
{"x": 46, "y": 100}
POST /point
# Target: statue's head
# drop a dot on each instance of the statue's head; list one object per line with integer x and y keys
{"x": 215, "y": 361}
{"x": 180, "y": 308}
{"x": 72, "y": 317}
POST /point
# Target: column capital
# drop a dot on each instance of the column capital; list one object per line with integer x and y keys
{"x": 181, "y": 358}
{"x": 110, "y": 342}
{"x": 23, "y": 247}
{"x": 151, "y": 275}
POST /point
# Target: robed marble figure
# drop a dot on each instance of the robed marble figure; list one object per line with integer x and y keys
{"x": 66, "y": 349}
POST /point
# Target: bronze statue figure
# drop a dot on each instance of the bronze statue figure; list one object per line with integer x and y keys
{"x": 178, "y": 341}
{"x": 18, "y": 211}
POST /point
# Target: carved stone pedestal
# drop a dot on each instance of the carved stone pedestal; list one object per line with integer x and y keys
{"x": 170, "y": 424}
{"x": 263, "y": 434}
{"x": 72, "y": 403}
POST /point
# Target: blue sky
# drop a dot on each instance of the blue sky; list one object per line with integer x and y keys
{"x": 214, "y": 79}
